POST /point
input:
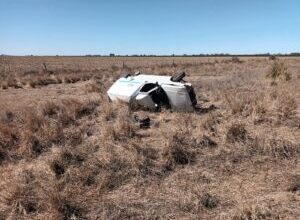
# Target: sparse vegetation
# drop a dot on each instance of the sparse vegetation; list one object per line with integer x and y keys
{"x": 279, "y": 70}
{"x": 66, "y": 152}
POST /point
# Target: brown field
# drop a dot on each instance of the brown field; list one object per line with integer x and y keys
{"x": 67, "y": 153}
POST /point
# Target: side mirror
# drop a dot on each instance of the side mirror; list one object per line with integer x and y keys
{"x": 126, "y": 75}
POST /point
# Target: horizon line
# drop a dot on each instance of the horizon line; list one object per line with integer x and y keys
{"x": 160, "y": 55}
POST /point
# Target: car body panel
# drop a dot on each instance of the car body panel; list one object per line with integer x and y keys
{"x": 178, "y": 97}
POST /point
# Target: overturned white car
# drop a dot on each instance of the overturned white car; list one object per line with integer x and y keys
{"x": 153, "y": 92}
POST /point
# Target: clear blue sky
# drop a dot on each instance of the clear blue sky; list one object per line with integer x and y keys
{"x": 79, "y": 27}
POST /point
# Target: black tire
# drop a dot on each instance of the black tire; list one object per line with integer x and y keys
{"x": 178, "y": 77}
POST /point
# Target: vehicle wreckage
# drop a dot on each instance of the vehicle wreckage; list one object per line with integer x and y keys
{"x": 153, "y": 92}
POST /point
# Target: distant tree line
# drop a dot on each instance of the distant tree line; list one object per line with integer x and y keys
{"x": 295, "y": 54}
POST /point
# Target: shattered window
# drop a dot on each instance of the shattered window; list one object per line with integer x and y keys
{"x": 147, "y": 87}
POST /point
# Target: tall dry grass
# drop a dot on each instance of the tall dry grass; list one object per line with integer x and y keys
{"x": 66, "y": 152}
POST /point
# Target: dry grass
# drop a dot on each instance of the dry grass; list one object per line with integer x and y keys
{"x": 66, "y": 152}
{"x": 279, "y": 70}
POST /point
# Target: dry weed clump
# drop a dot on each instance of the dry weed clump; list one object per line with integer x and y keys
{"x": 9, "y": 137}
{"x": 24, "y": 199}
{"x": 271, "y": 106}
{"x": 13, "y": 82}
{"x": 25, "y": 195}
{"x": 93, "y": 87}
{"x": 147, "y": 161}
{"x": 118, "y": 171}
{"x": 236, "y": 60}
{"x": 254, "y": 212}
{"x": 108, "y": 111}
{"x": 282, "y": 149}
{"x": 9, "y": 142}
{"x": 35, "y": 196}
{"x": 211, "y": 122}
{"x": 66, "y": 158}
{"x": 278, "y": 71}
{"x": 3, "y": 155}
{"x": 78, "y": 168}
{"x": 124, "y": 126}
{"x": 206, "y": 142}
{"x": 179, "y": 150}
{"x": 240, "y": 103}
{"x": 260, "y": 108}
{"x": 38, "y": 129}
{"x": 31, "y": 72}
{"x": 68, "y": 111}
{"x": 71, "y": 79}
{"x": 275, "y": 148}
{"x": 33, "y": 83}
{"x": 39, "y": 133}
{"x": 6, "y": 117}
{"x": 294, "y": 184}
{"x": 248, "y": 104}
{"x": 236, "y": 133}
{"x": 209, "y": 201}
{"x": 4, "y": 86}
{"x": 67, "y": 209}
{"x": 286, "y": 106}
{"x": 52, "y": 78}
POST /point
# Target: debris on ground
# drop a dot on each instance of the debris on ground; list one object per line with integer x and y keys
{"x": 144, "y": 122}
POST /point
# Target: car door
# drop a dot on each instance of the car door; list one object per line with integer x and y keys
{"x": 144, "y": 97}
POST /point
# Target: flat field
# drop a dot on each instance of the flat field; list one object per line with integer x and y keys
{"x": 67, "y": 153}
